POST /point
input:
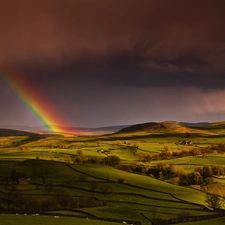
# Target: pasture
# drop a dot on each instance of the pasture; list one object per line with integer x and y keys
{"x": 12, "y": 219}
{"x": 73, "y": 174}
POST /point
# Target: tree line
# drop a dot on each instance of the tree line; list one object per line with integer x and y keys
{"x": 197, "y": 151}
{"x": 15, "y": 201}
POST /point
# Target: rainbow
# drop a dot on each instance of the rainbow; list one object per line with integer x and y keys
{"x": 44, "y": 111}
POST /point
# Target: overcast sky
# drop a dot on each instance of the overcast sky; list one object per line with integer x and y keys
{"x": 115, "y": 62}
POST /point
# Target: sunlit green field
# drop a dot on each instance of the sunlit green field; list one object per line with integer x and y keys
{"x": 49, "y": 164}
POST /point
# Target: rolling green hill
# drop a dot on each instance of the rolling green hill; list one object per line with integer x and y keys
{"x": 218, "y": 127}
{"x": 165, "y": 127}
{"x": 130, "y": 176}
{"x": 10, "y": 132}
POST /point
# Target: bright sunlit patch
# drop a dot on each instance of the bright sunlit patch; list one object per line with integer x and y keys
{"x": 43, "y": 110}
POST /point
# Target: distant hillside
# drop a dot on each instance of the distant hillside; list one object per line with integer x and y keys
{"x": 213, "y": 128}
{"x": 76, "y": 130}
{"x": 147, "y": 127}
{"x": 217, "y": 125}
{"x": 10, "y": 132}
{"x": 100, "y": 130}
{"x": 24, "y": 128}
{"x": 164, "y": 127}
{"x": 217, "y": 128}
{"x": 200, "y": 124}
{"x": 160, "y": 127}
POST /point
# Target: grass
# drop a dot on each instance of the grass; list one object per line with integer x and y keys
{"x": 124, "y": 201}
{"x": 50, "y": 220}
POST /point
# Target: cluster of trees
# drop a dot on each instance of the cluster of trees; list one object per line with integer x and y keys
{"x": 179, "y": 176}
{"x": 134, "y": 168}
{"x": 111, "y": 160}
{"x": 167, "y": 154}
{"x": 214, "y": 170}
{"x": 214, "y": 148}
{"x": 174, "y": 154}
{"x": 23, "y": 148}
{"x": 176, "y": 175}
{"x": 80, "y": 158}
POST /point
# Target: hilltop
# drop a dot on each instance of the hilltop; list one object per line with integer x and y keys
{"x": 11, "y": 132}
{"x": 148, "y": 127}
{"x": 165, "y": 127}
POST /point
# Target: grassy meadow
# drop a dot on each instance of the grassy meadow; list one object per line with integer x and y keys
{"x": 131, "y": 176}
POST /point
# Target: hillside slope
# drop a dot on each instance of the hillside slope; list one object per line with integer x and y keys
{"x": 10, "y": 132}
{"x": 165, "y": 127}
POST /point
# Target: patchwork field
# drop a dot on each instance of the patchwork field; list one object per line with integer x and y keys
{"x": 145, "y": 175}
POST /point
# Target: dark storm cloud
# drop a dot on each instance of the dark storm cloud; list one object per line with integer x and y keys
{"x": 134, "y": 43}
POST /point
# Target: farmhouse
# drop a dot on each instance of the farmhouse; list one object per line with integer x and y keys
{"x": 184, "y": 142}
{"x": 23, "y": 181}
{"x": 101, "y": 151}
{"x": 122, "y": 181}
{"x": 72, "y": 146}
